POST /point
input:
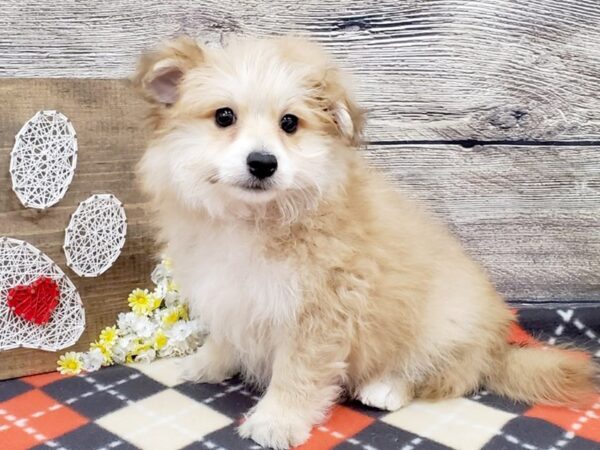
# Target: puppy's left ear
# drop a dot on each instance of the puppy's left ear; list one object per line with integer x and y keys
{"x": 160, "y": 72}
{"x": 328, "y": 85}
{"x": 347, "y": 115}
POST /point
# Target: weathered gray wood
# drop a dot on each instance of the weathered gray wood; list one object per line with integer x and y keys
{"x": 426, "y": 69}
{"x": 530, "y": 214}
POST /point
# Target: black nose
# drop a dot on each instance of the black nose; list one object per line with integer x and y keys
{"x": 261, "y": 164}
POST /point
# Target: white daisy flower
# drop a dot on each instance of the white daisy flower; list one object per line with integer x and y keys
{"x": 180, "y": 331}
{"x": 143, "y": 327}
{"x": 126, "y": 321}
{"x": 92, "y": 360}
{"x": 123, "y": 347}
{"x": 119, "y": 354}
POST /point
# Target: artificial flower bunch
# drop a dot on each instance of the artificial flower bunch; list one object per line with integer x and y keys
{"x": 158, "y": 325}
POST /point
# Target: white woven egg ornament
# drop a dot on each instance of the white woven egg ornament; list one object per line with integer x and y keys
{"x": 43, "y": 159}
{"x": 95, "y": 235}
{"x": 28, "y": 318}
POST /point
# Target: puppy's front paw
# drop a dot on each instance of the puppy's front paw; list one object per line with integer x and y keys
{"x": 207, "y": 366}
{"x": 275, "y": 427}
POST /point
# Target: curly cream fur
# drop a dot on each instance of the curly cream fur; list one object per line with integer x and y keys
{"x": 331, "y": 282}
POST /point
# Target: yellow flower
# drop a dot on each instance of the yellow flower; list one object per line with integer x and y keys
{"x": 160, "y": 340}
{"x": 171, "y": 317}
{"x": 168, "y": 263}
{"x": 108, "y": 336}
{"x": 142, "y": 302}
{"x": 69, "y": 364}
{"x": 105, "y": 350}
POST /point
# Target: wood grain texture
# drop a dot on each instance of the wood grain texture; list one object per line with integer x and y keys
{"x": 106, "y": 118}
{"x": 529, "y": 214}
{"x": 425, "y": 69}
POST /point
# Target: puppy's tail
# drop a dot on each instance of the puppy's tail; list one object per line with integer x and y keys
{"x": 550, "y": 376}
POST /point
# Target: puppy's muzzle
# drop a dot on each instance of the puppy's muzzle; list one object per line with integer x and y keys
{"x": 261, "y": 164}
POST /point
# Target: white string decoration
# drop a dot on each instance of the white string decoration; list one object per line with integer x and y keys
{"x": 95, "y": 235}
{"x": 43, "y": 159}
{"x": 22, "y": 264}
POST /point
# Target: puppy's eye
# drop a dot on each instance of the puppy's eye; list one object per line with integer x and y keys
{"x": 224, "y": 117}
{"x": 289, "y": 123}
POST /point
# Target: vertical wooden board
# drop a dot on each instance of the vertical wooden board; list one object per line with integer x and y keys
{"x": 107, "y": 118}
{"x": 529, "y": 214}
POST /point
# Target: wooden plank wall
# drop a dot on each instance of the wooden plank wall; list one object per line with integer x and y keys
{"x": 487, "y": 110}
{"x": 427, "y": 69}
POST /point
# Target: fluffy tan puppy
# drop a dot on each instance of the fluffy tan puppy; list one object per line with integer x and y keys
{"x": 312, "y": 275}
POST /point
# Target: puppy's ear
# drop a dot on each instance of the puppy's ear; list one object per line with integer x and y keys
{"x": 160, "y": 72}
{"x": 328, "y": 85}
{"x": 348, "y": 117}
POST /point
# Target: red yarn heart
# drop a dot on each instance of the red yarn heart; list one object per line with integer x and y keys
{"x": 34, "y": 302}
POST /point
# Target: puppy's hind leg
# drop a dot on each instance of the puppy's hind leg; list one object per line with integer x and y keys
{"x": 388, "y": 393}
{"x": 212, "y": 363}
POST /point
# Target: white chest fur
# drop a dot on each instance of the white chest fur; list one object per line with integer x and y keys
{"x": 239, "y": 294}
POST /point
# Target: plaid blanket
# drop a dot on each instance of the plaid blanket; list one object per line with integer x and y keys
{"x": 146, "y": 407}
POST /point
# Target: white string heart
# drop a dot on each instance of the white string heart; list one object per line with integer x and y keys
{"x": 21, "y": 264}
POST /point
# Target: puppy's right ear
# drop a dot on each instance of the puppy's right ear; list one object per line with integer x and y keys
{"x": 160, "y": 72}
